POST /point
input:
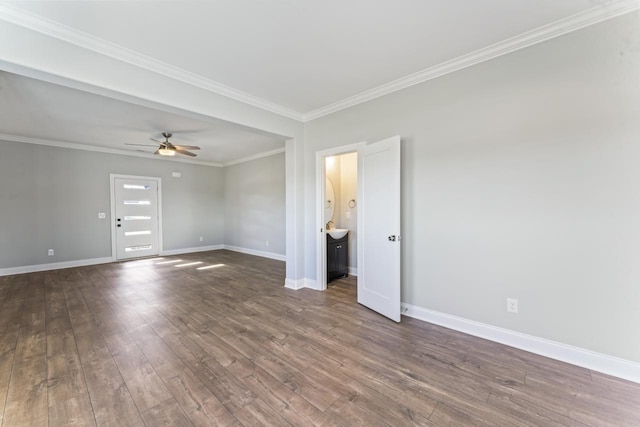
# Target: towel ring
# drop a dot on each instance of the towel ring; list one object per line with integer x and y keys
{"x": 352, "y": 203}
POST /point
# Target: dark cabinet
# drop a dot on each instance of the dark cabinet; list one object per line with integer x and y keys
{"x": 337, "y": 257}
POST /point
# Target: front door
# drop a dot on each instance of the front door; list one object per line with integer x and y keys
{"x": 136, "y": 217}
{"x": 379, "y": 227}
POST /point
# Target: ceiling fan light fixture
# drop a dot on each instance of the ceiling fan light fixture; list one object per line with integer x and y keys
{"x": 166, "y": 152}
{"x": 166, "y": 148}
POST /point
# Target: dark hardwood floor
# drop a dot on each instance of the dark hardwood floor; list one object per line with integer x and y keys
{"x": 150, "y": 343}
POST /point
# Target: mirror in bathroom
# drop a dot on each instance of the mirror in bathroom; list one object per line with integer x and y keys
{"x": 329, "y": 201}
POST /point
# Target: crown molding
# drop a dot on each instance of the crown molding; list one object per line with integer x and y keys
{"x": 87, "y": 41}
{"x": 98, "y": 149}
{"x": 567, "y": 25}
{"x": 564, "y": 26}
{"x": 84, "y": 147}
{"x": 255, "y": 157}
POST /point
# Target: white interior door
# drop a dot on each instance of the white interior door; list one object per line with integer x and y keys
{"x": 136, "y": 217}
{"x": 379, "y": 227}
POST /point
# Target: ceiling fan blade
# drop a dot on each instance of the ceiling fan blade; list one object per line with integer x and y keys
{"x": 156, "y": 152}
{"x": 158, "y": 141}
{"x": 185, "y": 152}
{"x": 140, "y": 145}
{"x": 186, "y": 147}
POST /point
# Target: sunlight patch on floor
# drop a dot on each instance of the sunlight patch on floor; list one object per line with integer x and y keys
{"x": 168, "y": 262}
{"x": 210, "y": 266}
{"x": 188, "y": 264}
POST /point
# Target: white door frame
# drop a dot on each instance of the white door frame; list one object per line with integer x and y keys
{"x": 112, "y": 188}
{"x": 321, "y": 239}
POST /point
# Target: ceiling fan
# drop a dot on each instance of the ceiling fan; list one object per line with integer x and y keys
{"x": 166, "y": 148}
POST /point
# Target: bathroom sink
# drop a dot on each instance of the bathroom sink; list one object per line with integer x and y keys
{"x": 337, "y": 233}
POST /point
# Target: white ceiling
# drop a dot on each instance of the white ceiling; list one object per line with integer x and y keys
{"x": 302, "y": 56}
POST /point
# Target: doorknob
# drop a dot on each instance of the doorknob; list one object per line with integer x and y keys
{"x": 392, "y": 238}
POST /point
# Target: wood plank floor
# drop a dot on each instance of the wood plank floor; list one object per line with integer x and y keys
{"x": 152, "y": 343}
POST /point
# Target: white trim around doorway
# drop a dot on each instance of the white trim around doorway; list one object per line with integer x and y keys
{"x": 321, "y": 239}
{"x": 112, "y": 192}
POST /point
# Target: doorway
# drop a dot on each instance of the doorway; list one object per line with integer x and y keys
{"x": 337, "y": 185}
{"x": 378, "y": 223}
{"x": 341, "y": 215}
{"x": 135, "y": 212}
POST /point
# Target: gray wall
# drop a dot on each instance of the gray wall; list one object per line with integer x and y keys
{"x": 520, "y": 179}
{"x": 50, "y": 198}
{"x": 254, "y": 204}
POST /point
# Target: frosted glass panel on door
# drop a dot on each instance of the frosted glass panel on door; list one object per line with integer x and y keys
{"x": 137, "y": 233}
{"x": 136, "y": 187}
{"x": 137, "y": 248}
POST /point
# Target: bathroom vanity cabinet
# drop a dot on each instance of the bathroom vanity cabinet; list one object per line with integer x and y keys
{"x": 337, "y": 257}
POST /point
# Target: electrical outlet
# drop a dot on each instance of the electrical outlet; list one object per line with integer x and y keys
{"x": 201, "y": 238}
{"x": 50, "y": 252}
{"x": 101, "y": 215}
{"x": 267, "y": 243}
{"x": 512, "y": 305}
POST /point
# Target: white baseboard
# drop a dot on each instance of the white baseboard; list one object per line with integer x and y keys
{"x": 53, "y": 266}
{"x": 311, "y": 284}
{"x": 93, "y": 261}
{"x": 263, "y": 254}
{"x": 610, "y": 365}
{"x": 353, "y": 271}
{"x": 296, "y": 284}
{"x": 191, "y": 250}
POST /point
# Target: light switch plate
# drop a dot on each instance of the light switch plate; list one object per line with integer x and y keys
{"x": 101, "y": 215}
{"x": 176, "y": 174}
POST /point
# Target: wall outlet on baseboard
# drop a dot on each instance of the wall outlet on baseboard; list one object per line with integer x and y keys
{"x": 50, "y": 252}
{"x": 267, "y": 243}
{"x": 201, "y": 238}
{"x": 512, "y": 305}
